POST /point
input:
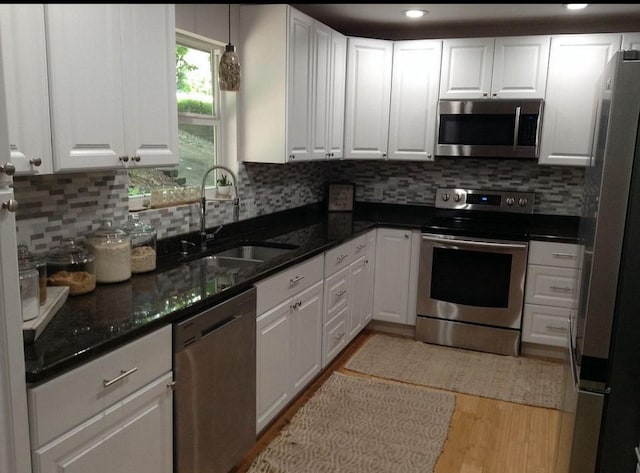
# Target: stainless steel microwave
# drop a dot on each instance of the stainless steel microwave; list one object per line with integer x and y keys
{"x": 489, "y": 128}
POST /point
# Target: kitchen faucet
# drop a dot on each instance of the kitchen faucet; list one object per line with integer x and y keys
{"x": 203, "y": 205}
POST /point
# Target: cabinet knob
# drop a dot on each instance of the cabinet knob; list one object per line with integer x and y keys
{"x": 124, "y": 159}
{"x": 495, "y": 94}
{"x": 9, "y": 169}
{"x": 292, "y": 156}
{"x": 11, "y": 205}
{"x": 406, "y": 235}
{"x": 136, "y": 158}
{"x": 35, "y": 162}
{"x": 485, "y": 94}
{"x": 384, "y": 155}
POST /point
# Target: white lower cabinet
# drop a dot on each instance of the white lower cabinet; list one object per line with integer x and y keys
{"x": 392, "y": 275}
{"x": 552, "y": 292}
{"x": 289, "y": 336}
{"x": 112, "y": 414}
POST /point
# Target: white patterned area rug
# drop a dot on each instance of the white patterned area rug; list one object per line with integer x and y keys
{"x": 515, "y": 379}
{"x": 359, "y": 425}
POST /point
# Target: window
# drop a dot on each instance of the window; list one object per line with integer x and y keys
{"x": 199, "y": 121}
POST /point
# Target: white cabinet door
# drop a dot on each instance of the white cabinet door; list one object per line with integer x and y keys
{"x": 112, "y": 92}
{"x": 26, "y": 87}
{"x": 273, "y": 388}
{"x": 367, "y": 101}
{"x": 85, "y": 76}
{"x": 520, "y": 66}
{"x": 299, "y": 86}
{"x": 575, "y": 65}
{"x": 306, "y": 336}
{"x": 337, "y": 88}
{"x": 357, "y": 304}
{"x": 414, "y": 99}
{"x": 134, "y": 435}
{"x": 149, "y": 54}
{"x": 367, "y": 295}
{"x": 466, "y": 68}
{"x": 393, "y": 262}
{"x": 320, "y": 96}
{"x": 631, "y": 41}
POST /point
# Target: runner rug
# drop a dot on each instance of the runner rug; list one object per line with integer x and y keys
{"x": 359, "y": 425}
{"x": 515, "y": 379}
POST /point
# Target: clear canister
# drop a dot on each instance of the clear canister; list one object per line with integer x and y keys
{"x": 41, "y": 266}
{"x": 29, "y": 289}
{"x": 111, "y": 248}
{"x": 143, "y": 244}
{"x": 68, "y": 264}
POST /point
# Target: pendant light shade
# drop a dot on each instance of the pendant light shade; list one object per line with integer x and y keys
{"x": 229, "y": 70}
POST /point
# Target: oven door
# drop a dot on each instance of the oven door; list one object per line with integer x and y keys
{"x": 478, "y": 281}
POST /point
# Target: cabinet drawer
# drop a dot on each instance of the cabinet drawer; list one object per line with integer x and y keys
{"x": 558, "y": 287}
{"x": 546, "y": 325}
{"x": 64, "y": 402}
{"x": 338, "y": 258}
{"x": 334, "y": 337}
{"x": 275, "y": 289}
{"x": 336, "y": 294}
{"x": 564, "y": 255}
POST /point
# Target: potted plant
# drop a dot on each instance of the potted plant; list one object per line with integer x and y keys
{"x": 224, "y": 186}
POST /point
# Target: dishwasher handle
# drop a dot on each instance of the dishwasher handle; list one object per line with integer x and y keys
{"x": 219, "y": 326}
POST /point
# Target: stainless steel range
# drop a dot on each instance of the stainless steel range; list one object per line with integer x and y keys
{"x": 472, "y": 270}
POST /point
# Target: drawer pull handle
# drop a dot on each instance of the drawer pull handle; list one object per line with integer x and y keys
{"x": 172, "y": 385}
{"x": 295, "y": 305}
{"x": 361, "y": 246}
{"x": 123, "y": 374}
{"x": 339, "y": 337}
{"x": 561, "y": 289}
{"x": 340, "y": 294}
{"x": 564, "y": 255}
{"x": 295, "y": 280}
{"x": 340, "y": 258}
{"x": 552, "y": 328}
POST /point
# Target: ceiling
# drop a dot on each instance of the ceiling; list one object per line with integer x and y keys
{"x": 385, "y": 21}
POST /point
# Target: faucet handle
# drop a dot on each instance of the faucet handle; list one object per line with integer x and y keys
{"x": 185, "y": 247}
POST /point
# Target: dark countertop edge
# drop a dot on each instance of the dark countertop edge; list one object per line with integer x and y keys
{"x": 371, "y": 213}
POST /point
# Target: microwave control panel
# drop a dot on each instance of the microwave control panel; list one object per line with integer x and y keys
{"x": 495, "y": 201}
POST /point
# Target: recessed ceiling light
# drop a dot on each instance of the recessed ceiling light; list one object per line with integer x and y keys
{"x": 575, "y": 6}
{"x": 415, "y": 13}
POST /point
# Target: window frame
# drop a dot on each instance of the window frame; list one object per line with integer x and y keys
{"x": 193, "y": 40}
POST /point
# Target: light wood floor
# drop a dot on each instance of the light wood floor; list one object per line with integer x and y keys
{"x": 486, "y": 435}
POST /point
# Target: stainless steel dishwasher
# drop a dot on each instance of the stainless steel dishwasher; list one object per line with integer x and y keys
{"x": 215, "y": 390}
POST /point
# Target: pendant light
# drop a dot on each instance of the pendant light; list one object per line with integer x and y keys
{"x": 229, "y": 70}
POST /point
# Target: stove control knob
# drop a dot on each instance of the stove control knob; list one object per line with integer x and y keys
{"x": 457, "y": 197}
{"x": 522, "y": 201}
{"x": 510, "y": 201}
{"x": 445, "y": 196}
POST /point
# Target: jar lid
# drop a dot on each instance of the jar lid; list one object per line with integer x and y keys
{"x": 69, "y": 251}
{"x": 25, "y": 258}
{"x": 135, "y": 226}
{"x": 108, "y": 232}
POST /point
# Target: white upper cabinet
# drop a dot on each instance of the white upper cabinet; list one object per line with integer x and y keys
{"x": 631, "y": 41}
{"x": 112, "y": 85}
{"x": 575, "y": 65}
{"x": 507, "y": 67}
{"x": 368, "y": 97}
{"x": 414, "y": 99}
{"x": 329, "y": 69}
{"x": 292, "y": 96}
{"x": 26, "y": 87}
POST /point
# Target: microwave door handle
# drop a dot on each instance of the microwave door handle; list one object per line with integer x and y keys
{"x": 516, "y": 128}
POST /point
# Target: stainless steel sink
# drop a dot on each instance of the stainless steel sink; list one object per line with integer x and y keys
{"x": 229, "y": 264}
{"x": 253, "y": 252}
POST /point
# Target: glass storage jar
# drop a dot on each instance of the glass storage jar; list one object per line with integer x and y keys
{"x": 111, "y": 248}
{"x": 41, "y": 266}
{"x": 69, "y": 264}
{"x": 143, "y": 244}
{"x": 29, "y": 289}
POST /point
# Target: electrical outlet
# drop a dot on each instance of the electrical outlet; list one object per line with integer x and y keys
{"x": 378, "y": 191}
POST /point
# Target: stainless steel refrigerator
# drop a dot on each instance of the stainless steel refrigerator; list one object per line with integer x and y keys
{"x": 601, "y": 413}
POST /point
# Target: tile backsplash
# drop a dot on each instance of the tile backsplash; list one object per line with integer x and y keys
{"x": 58, "y": 206}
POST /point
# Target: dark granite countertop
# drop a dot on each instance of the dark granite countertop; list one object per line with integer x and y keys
{"x": 90, "y": 325}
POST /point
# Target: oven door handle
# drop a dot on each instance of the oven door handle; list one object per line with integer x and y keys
{"x": 476, "y": 244}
